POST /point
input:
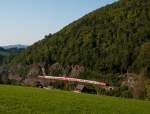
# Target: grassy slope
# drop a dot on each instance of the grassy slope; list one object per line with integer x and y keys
{"x": 24, "y": 100}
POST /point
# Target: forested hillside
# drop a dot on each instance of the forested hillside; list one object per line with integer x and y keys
{"x": 112, "y": 39}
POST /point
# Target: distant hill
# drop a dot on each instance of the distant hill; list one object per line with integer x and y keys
{"x": 6, "y": 54}
{"x": 18, "y": 46}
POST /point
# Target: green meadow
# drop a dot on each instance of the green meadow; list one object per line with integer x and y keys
{"x": 27, "y": 100}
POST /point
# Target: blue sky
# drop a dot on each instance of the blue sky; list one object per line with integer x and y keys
{"x": 27, "y": 21}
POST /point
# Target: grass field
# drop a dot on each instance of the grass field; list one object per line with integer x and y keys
{"x": 24, "y": 100}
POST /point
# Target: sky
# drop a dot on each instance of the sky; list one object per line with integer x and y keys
{"x": 27, "y": 21}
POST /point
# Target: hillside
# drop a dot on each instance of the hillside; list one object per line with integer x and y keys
{"x": 107, "y": 40}
{"x": 24, "y": 100}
